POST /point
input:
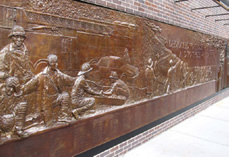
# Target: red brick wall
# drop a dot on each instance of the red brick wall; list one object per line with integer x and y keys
{"x": 178, "y": 14}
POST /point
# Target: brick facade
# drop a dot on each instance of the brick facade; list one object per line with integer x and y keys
{"x": 137, "y": 140}
{"x": 178, "y": 14}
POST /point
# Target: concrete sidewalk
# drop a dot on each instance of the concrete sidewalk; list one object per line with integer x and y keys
{"x": 204, "y": 135}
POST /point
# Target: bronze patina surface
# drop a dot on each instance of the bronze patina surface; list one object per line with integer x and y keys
{"x": 74, "y": 76}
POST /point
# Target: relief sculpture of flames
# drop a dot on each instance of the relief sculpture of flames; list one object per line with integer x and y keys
{"x": 59, "y": 69}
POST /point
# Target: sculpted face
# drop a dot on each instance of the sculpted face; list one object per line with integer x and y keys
{"x": 52, "y": 60}
{"x": 9, "y": 90}
{"x": 53, "y": 64}
{"x": 18, "y": 40}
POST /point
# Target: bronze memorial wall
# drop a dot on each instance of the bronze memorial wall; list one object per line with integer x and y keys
{"x": 74, "y": 76}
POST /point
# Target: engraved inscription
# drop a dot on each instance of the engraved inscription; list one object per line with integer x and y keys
{"x": 191, "y": 50}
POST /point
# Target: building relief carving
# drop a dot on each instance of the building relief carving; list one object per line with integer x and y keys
{"x": 7, "y": 16}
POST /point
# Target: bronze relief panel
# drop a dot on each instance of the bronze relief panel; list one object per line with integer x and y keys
{"x": 69, "y": 61}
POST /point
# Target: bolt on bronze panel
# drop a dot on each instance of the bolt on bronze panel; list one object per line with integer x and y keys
{"x": 69, "y": 63}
